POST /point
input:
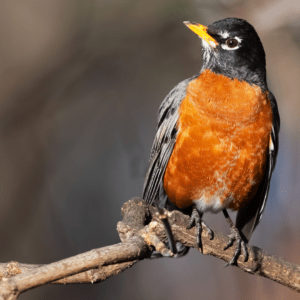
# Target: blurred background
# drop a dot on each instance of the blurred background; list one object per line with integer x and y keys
{"x": 81, "y": 83}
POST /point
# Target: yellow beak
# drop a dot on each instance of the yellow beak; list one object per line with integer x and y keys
{"x": 201, "y": 31}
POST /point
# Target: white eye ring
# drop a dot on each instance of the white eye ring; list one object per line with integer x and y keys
{"x": 232, "y": 43}
{"x": 236, "y": 44}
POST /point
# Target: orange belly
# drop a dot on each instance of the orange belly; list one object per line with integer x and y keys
{"x": 222, "y": 144}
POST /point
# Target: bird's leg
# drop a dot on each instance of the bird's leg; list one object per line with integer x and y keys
{"x": 240, "y": 243}
{"x": 196, "y": 218}
{"x": 164, "y": 218}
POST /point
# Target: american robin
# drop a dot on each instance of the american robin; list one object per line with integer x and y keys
{"x": 217, "y": 137}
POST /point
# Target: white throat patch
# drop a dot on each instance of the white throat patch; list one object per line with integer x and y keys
{"x": 206, "y": 51}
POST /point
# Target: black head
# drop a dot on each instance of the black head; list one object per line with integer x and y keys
{"x": 232, "y": 47}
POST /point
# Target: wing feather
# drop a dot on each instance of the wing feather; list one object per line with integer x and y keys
{"x": 164, "y": 141}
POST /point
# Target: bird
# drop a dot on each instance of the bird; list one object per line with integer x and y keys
{"x": 216, "y": 142}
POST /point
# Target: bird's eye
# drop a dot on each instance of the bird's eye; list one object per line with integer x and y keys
{"x": 231, "y": 43}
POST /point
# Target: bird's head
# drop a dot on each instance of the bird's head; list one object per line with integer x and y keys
{"x": 232, "y": 47}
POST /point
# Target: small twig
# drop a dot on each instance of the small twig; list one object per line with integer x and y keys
{"x": 94, "y": 275}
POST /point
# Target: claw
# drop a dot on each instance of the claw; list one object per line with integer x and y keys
{"x": 163, "y": 216}
{"x": 245, "y": 251}
{"x": 241, "y": 246}
{"x": 197, "y": 221}
{"x": 210, "y": 232}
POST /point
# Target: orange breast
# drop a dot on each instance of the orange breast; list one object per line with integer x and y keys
{"x": 223, "y": 138}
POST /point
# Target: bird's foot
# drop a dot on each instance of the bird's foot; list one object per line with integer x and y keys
{"x": 241, "y": 246}
{"x": 196, "y": 219}
{"x": 164, "y": 218}
{"x": 170, "y": 248}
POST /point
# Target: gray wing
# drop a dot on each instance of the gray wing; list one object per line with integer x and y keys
{"x": 249, "y": 216}
{"x": 164, "y": 143}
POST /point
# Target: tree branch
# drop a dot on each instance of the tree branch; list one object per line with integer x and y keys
{"x": 141, "y": 232}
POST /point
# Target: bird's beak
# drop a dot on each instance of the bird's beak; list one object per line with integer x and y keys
{"x": 201, "y": 31}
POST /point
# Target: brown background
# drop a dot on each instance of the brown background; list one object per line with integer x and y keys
{"x": 81, "y": 82}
